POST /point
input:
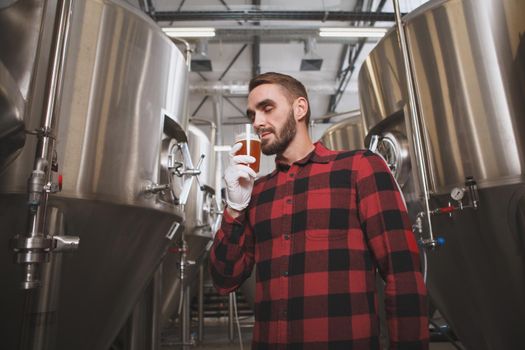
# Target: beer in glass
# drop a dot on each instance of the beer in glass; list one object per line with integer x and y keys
{"x": 251, "y": 144}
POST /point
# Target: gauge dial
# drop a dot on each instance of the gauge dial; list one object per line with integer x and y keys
{"x": 457, "y": 193}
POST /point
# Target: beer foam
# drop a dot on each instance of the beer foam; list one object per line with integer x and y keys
{"x": 242, "y": 136}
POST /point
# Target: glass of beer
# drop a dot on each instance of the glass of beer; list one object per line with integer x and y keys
{"x": 251, "y": 144}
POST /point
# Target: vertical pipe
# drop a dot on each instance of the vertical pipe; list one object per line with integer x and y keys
{"x": 256, "y": 56}
{"x": 188, "y": 51}
{"x": 56, "y": 72}
{"x": 414, "y": 124}
{"x": 41, "y": 174}
{"x": 39, "y": 329}
{"x": 201, "y": 302}
{"x": 218, "y": 104}
{"x": 230, "y": 316}
{"x": 156, "y": 301}
{"x": 186, "y": 319}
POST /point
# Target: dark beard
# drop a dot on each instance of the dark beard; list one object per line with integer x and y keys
{"x": 283, "y": 139}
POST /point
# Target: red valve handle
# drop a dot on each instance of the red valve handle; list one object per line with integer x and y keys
{"x": 445, "y": 210}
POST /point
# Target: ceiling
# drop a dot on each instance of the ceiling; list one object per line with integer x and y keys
{"x": 255, "y": 36}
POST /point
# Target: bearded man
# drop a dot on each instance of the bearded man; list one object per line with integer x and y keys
{"x": 318, "y": 228}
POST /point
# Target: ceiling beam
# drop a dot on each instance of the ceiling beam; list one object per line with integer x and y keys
{"x": 256, "y": 46}
{"x": 254, "y": 15}
{"x": 353, "y": 54}
{"x": 220, "y": 78}
{"x": 268, "y": 34}
{"x": 148, "y": 7}
{"x": 256, "y": 56}
{"x": 341, "y": 73}
{"x": 180, "y": 5}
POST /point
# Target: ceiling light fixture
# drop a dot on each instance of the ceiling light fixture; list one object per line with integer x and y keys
{"x": 311, "y": 61}
{"x": 353, "y": 32}
{"x": 200, "y": 62}
{"x": 189, "y": 32}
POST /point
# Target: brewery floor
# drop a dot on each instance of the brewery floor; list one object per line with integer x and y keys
{"x": 216, "y": 337}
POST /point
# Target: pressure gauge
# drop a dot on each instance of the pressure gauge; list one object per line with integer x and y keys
{"x": 457, "y": 193}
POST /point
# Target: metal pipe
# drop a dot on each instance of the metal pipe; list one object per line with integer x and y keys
{"x": 231, "y": 316}
{"x": 212, "y": 125}
{"x": 234, "y": 59}
{"x": 220, "y": 78}
{"x": 413, "y": 123}
{"x": 185, "y": 107}
{"x": 45, "y": 301}
{"x": 276, "y": 34}
{"x": 156, "y": 305}
{"x": 332, "y": 117}
{"x": 180, "y": 5}
{"x": 258, "y": 15}
{"x": 188, "y": 50}
{"x": 201, "y": 303}
{"x": 241, "y": 88}
{"x": 33, "y": 248}
{"x": 256, "y": 55}
{"x": 55, "y": 74}
{"x": 218, "y": 99}
{"x": 186, "y": 319}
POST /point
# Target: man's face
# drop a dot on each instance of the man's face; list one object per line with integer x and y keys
{"x": 273, "y": 118}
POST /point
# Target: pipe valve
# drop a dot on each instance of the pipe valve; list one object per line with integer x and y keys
{"x": 186, "y": 170}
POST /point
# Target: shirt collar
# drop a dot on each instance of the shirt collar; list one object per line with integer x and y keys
{"x": 320, "y": 154}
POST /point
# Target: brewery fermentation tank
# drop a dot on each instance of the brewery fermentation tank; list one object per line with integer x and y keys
{"x": 18, "y": 53}
{"x": 347, "y": 134}
{"x": 121, "y": 96}
{"x": 200, "y": 223}
{"x": 468, "y": 66}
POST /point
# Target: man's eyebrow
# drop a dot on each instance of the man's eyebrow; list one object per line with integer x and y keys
{"x": 267, "y": 102}
{"x": 264, "y": 103}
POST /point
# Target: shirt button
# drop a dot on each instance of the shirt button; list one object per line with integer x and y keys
{"x": 285, "y": 273}
{"x": 286, "y": 236}
{"x": 292, "y": 175}
{"x": 289, "y": 201}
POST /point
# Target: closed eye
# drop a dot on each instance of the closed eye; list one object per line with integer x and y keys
{"x": 251, "y": 115}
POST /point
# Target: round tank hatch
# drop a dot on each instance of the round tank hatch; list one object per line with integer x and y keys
{"x": 393, "y": 147}
{"x": 210, "y": 209}
{"x": 169, "y": 157}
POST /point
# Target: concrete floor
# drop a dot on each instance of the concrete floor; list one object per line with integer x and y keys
{"x": 216, "y": 337}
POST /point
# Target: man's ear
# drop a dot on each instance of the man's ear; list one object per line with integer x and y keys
{"x": 300, "y": 107}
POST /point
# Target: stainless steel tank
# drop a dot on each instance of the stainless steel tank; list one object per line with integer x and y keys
{"x": 17, "y": 57}
{"x": 200, "y": 220}
{"x": 468, "y": 67}
{"x": 124, "y": 88}
{"x": 347, "y": 134}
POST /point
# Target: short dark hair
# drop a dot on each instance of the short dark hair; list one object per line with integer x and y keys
{"x": 292, "y": 86}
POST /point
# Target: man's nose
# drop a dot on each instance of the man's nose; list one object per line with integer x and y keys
{"x": 259, "y": 121}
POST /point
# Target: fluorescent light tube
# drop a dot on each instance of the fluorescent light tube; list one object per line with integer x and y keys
{"x": 353, "y": 32}
{"x": 189, "y": 32}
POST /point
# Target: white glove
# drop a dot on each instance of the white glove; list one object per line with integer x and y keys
{"x": 239, "y": 179}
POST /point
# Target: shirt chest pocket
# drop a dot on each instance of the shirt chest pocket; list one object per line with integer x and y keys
{"x": 328, "y": 215}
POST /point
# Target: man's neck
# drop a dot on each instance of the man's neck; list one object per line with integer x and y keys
{"x": 299, "y": 148}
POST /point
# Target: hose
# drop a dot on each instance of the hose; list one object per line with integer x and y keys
{"x": 237, "y": 319}
{"x": 425, "y": 265}
{"x": 451, "y": 341}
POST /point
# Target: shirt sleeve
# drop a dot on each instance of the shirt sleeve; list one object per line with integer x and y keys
{"x": 385, "y": 223}
{"x": 232, "y": 253}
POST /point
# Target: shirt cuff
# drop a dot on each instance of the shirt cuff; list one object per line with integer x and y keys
{"x": 230, "y": 220}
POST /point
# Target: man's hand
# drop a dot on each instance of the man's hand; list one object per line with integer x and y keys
{"x": 239, "y": 179}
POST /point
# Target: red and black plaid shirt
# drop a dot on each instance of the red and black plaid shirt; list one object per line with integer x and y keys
{"x": 317, "y": 230}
